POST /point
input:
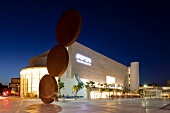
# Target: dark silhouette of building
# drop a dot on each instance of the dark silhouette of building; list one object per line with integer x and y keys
{"x": 15, "y": 84}
{"x": 1, "y": 88}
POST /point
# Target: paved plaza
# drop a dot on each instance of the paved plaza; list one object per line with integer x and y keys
{"x": 130, "y": 105}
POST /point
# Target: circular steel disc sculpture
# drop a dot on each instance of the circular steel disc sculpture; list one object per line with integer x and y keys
{"x": 67, "y": 32}
{"x": 48, "y": 88}
{"x": 57, "y": 61}
{"x": 68, "y": 27}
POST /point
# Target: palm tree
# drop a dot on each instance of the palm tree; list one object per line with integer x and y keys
{"x": 60, "y": 86}
{"x": 77, "y": 88}
{"x": 107, "y": 88}
{"x": 125, "y": 90}
{"x": 101, "y": 89}
{"x": 116, "y": 90}
{"x": 137, "y": 91}
{"x": 89, "y": 88}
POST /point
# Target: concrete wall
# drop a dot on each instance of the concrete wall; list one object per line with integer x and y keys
{"x": 134, "y": 76}
{"x": 101, "y": 66}
{"x": 39, "y": 60}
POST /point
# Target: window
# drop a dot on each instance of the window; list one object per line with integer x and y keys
{"x": 110, "y": 80}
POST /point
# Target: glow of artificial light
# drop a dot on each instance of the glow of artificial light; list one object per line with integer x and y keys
{"x": 83, "y": 59}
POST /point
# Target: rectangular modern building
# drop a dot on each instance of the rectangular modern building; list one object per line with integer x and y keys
{"x": 84, "y": 65}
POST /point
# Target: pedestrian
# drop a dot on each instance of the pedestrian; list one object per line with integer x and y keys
{"x": 63, "y": 98}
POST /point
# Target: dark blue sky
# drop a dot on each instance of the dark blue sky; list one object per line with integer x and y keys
{"x": 123, "y": 30}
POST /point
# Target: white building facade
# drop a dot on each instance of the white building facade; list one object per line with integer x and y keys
{"x": 84, "y": 65}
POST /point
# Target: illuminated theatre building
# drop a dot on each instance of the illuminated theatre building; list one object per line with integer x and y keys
{"x": 84, "y": 65}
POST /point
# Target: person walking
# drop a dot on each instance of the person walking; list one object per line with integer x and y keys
{"x": 63, "y": 98}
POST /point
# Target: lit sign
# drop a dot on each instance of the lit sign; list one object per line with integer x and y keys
{"x": 83, "y": 59}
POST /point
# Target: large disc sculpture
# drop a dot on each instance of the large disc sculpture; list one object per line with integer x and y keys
{"x": 67, "y": 31}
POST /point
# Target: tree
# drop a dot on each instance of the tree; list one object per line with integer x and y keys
{"x": 101, "y": 89}
{"x": 77, "y": 88}
{"x": 115, "y": 90}
{"x": 136, "y": 91}
{"x": 60, "y": 86}
{"x": 107, "y": 89}
{"x": 89, "y": 87}
{"x": 125, "y": 90}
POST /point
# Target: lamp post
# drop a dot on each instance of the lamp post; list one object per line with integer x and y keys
{"x": 144, "y": 101}
{"x": 144, "y": 90}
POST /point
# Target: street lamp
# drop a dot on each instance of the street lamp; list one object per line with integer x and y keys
{"x": 144, "y": 101}
{"x": 145, "y": 86}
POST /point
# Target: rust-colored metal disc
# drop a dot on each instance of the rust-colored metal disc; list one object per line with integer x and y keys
{"x": 48, "y": 88}
{"x": 69, "y": 27}
{"x": 57, "y": 61}
{"x": 47, "y": 100}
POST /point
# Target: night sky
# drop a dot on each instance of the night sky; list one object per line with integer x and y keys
{"x": 123, "y": 30}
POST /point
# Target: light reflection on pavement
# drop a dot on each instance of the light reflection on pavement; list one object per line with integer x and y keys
{"x": 17, "y": 105}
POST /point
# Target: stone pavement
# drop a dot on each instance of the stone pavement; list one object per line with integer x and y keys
{"x": 133, "y": 105}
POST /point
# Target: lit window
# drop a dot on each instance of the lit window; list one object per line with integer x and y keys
{"x": 110, "y": 80}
